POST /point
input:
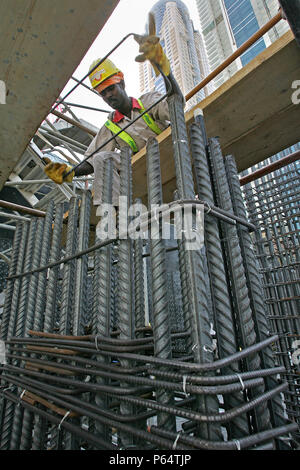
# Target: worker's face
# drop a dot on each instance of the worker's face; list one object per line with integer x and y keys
{"x": 115, "y": 96}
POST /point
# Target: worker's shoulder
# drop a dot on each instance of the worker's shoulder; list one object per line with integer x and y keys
{"x": 150, "y": 97}
{"x": 109, "y": 117}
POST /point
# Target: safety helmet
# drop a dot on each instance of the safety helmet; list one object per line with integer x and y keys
{"x": 105, "y": 74}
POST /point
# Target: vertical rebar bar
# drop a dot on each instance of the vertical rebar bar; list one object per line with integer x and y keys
{"x": 125, "y": 283}
{"x": 259, "y": 199}
{"x": 52, "y": 285}
{"x": 161, "y": 316}
{"x": 239, "y": 289}
{"x": 254, "y": 282}
{"x": 183, "y": 279}
{"x": 199, "y": 320}
{"x": 80, "y": 294}
{"x": 39, "y": 308}
{"x": 139, "y": 291}
{"x": 10, "y": 283}
{"x": 67, "y": 301}
{"x": 20, "y": 326}
{"x": 42, "y": 276}
{"x": 101, "y": 318}
{"x": 9, "y": 412}
{"x": 222, "y": 313}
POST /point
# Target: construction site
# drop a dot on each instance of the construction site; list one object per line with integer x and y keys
{"x": 179, "y": 329}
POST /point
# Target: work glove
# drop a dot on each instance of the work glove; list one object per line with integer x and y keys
{"x": 152, "y": 50}
{"x": 57, "y": 171}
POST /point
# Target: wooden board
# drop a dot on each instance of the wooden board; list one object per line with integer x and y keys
{"x": 252, "y": 114}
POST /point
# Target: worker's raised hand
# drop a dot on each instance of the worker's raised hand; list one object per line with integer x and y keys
{"x": 151, "y": 49}
{"x": 57, "y": 171}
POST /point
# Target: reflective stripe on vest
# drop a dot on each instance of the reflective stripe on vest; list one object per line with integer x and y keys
{"x": 148, "y": 120}
{"x": 123, "y": 135}
{"x": 126, "y": 137}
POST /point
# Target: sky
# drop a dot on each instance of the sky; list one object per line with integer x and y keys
{"x": 130, "y": 16}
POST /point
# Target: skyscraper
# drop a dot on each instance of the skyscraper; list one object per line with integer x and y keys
{"x": 183, "y": 46}
{"x": 227, "y": 24}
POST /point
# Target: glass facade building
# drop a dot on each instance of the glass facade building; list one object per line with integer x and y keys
{"x": 244, "y": 24}
{"x": 227, "y": 24}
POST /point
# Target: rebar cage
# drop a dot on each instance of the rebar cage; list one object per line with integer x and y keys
{"x": 124, "y": 343}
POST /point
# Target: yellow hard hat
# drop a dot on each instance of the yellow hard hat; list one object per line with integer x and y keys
{"x": 105, "y": 70}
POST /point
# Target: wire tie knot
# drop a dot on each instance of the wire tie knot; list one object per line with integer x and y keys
{"x": 176, "y": 440}
{"x": 238, "y": 444}
{"x": 184, "y": 385}
{"x": 241, "y": 380}
{"x": 21, "y": 397}
{"x": 63, "y": 418}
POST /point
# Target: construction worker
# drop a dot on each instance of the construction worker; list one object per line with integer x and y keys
{"x": 109, "y": 82}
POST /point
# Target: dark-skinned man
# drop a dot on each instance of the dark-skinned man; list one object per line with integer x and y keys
{"x": 109, "y": 82}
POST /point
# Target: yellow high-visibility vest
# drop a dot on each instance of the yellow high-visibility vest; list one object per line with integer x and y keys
{"x": 114, "y": 128}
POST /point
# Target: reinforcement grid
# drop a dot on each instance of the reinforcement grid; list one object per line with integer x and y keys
{"x": 273, "y": 206}
{"x": 125, "y": 343}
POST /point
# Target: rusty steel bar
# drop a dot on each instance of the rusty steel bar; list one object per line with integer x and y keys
{"x": 27, "y": 210}
{"x": 293, "y": 157}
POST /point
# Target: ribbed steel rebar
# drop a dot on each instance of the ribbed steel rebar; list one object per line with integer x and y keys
{"x": 42, "y": 277}
{"x": 139, "y": 292}
{"x": 101, "y": 321}
{"x": 9, "y": 412}
{"x": 254, "y": 283}
{"x": 48, "y": 319}
{"x": 81, "y": 291}
{"x": 39, "y": 308}
{"x": 32, "y": 289}
{"x": 125, "y": 295}
{"x": 125, "y": 269}
{"x": 239, "y": 289}
{"x": 183, "y": 278}
{"x": 68, "y": 284}
{"x": 160, "y": 306}
{"x": 17, "y": 286}
{"x": 234, "y": 444}
{"x": 10, "y": 284}
{"x": 102, "y": 287}
{"x": 29, "y": 314}
{"x": 52, "y": 285}
{"x": 268, "y": 249}
{"x": 194, "y": 259}
{"x": 20, "y": 326}
{"x": 223, "y": 319}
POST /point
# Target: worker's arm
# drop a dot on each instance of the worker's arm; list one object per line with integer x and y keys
{"x": 61, "y": 172}
{"x": 85, "y": 168}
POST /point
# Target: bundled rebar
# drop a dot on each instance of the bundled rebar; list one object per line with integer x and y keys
{"x": 114, "y": 377}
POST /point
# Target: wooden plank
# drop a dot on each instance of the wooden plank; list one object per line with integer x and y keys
{"x": 252, "y": 114}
